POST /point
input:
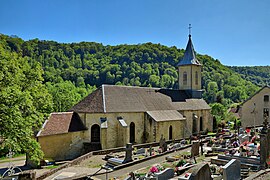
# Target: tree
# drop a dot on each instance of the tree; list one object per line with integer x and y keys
{"x": 64, "y": 95}
{"x": 24, "y": 104}
{"x": 212, "y": 89}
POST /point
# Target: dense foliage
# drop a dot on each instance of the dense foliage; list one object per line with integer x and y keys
{"x": 38, "y": 77}
{"x": 24, "y": 103}
{"x": 259, "y": 75}
{"x": 87, "y": 65}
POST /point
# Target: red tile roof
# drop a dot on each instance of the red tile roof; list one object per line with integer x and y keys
{"x": 60, "y": 123}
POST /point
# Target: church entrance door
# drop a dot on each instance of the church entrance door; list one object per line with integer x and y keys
{"x": 95, "y": 133}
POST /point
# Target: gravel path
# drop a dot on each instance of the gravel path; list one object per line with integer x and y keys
{"x": 86, "y": 167}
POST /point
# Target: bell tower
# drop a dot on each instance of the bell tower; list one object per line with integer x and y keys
{"x": 189, "y": 71}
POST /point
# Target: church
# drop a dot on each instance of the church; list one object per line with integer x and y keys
{"x": 113, "y": 116}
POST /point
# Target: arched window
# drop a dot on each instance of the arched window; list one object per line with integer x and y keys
{"x": 196, "y": 78}
{"x": 95, "y": 133}
{"x": 170, "y": 133}
{"x": 201, "y": 124}
{"x": 132, "y": 132}
{"x": 266, "y": 98}
{"x": 185, "y": 78}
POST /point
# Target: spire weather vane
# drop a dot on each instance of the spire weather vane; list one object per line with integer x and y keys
{"x": 189, "y": 29}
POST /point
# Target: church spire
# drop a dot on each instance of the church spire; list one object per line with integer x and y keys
{"x": 189, "y": 56}
{"x": 189, "y": 71}
{"x": 189, "y": 29}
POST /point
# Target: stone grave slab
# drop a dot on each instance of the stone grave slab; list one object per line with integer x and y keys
{"x": 128, "y": 157}
{"x": 171, "y": 158}
{"x": 112, "y": 162}
{"x": 195, "y": 149}
{"x": 201, "y": 172}
{"x": 232, "y": 170}
{"x": 176, "y": 146}
{"x": 165, "y": 174}
{"x": 140, "y": 151}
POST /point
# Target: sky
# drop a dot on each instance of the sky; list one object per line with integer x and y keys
{"x": 234, "y": 32}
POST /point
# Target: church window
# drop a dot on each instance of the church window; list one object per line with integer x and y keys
{"x": 132, "y": 132}
{"x": 95, "y": 133}
{"x": 185, "y": 78}
{"x": 201, "y": 124}
{"x": 266, "y": 98}
{"x": 196, "y": 78}
{"x": 170, "y": 133}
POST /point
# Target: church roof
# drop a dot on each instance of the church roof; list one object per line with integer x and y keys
{"x": 112, "y": 98}
{"x": 61, "y": 123}
{"x": 189, "y": 55}
{"x": 166, "y": 115}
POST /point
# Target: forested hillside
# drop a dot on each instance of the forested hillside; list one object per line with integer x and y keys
{"x": 71, "y": 71}
{"x": 38, "y": 77}
{"x": 259, "y": 75}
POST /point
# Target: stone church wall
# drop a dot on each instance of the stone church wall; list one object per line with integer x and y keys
{"x": 62, "y": 146}
{"x": 177, "y": 129}
{"x": 206, "y": 118}
{"x": 189, "y": 69}
{"x": 115, "y": 135}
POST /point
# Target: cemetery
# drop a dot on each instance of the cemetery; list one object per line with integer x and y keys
{"x": 233, "y": 155}
{"x": 226, "y": 156}
{"x": 222, "y": 156}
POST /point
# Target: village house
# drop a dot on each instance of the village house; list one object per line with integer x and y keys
{"x": 113, "y": 116}
{"x": 256, "y": 108}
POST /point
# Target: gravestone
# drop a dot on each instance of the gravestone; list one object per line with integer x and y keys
{"x": 176, "y": 146}
{"x": 263, "y": 151}
{"x": 140, "y": 151}
{"x": 112, "y": 162}
{"x": 163, "y": 144}
{"x": 268, "y": 146}
{"x": 183, "y": 141}
{"x": 150, "y": 150}
{"x": 128, "y": 157}
{"x": 195, "y": 149}
{"x": 232, "y": 170}
{"x": 161, "y": 141}
{"x": 243, "y": 138}
{"x": 171, "y": 159}
{"x": 165, "y": 174}
{"x": 201, "y": 172}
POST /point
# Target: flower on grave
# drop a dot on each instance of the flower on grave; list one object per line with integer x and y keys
{"x": 154, "y": 169}
{"x": 160, "y": 168}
